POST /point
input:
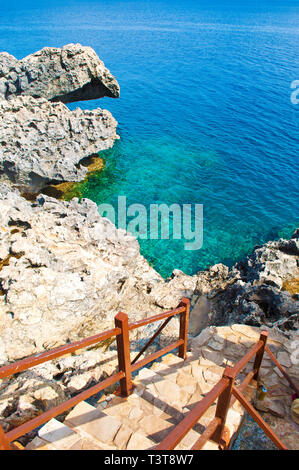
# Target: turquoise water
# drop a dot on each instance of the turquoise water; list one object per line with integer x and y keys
{"x": 204, "y": 115}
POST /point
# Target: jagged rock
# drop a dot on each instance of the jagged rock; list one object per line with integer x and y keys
{"x": 68, "y": 273}
{"x": 215, "y": 279}
{"x": 7, "y": 63}
{"x": 26, "y": 396}
{"x": 272, "y": 263}
{"x": 73, "y": 73}
{"x": 179, "y": 284}
{"x": 253, "y": 291}
{"x": 42, "y": 141}
{"x": 254, "y": 305}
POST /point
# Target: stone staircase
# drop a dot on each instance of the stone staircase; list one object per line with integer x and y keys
{"x": 162, "y": 396}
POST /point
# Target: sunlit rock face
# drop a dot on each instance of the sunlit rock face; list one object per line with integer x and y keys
{"x": 42, "y": 141}
{"x": 73, "y": 73}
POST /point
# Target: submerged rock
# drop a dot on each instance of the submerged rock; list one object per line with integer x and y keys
{"x": 43, "y": 142}
{"x": 73, "y": 73}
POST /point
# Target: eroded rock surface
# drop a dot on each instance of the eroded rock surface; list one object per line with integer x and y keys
{"x": 7, "y": 62}
{"x": 66, "y": 272}
{"x": 255, "y": 291}
{"x": 42, "y": 142}
{"x": 73, "y": 73}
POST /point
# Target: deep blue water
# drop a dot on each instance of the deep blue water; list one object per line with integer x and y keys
{"x": 204, "y": 116}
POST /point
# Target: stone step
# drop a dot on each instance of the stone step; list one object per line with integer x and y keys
{"x": 58, "y": 436}
{"x": 110, "y": 432}
{"x": 162, "y": 397}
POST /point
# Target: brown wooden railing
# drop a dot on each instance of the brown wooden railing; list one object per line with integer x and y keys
{"x": 126, "y": 367}
{"x": 226, "y": 392}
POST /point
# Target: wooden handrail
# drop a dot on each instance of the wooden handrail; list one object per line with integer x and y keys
{"x": 245, "y": 359}
{"x": 180, "y": 431}
{"x": 24, "y": 364}
{"x": 150, "y": 341}
{"x": 206, "y": 435}
{"x": 226, "y": 393}
{"x": 58, "y": 410}
{"x": 155, "y": 355}
{"x": 286, "y": 376}
{"x": 258, "y": 419}
{"x": 154, "y": 318}
{"x": 124, "y": 376}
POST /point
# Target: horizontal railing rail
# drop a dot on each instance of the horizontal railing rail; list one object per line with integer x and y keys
{"x": 24, "y": 364}
{"x": 58, "y": 410}
{"x": 125, "y": 366}
{"x": 155, "y": 318}
{"x": 180, "y": 431}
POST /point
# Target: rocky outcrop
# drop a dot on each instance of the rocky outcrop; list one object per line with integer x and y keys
{"x": 255, "y": 291}
{"x": 7, "y": 62}
{"x": 73, "y": 73}
{"x": 42, "y": 142}
{"x": 66, "y": 272}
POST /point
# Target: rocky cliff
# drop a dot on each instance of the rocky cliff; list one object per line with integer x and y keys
{"x": 73, "y": 73}
{"x": 65, "y": 271}
{"x": 42, "y": 141}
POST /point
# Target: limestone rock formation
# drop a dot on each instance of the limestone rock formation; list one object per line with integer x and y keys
{"x": 41, "y": 142}
{"x": 66, "y": 272}
{"x": 257, "y": 290}
{"x": 73, "y": 73}
{"x": 7, "y": 62}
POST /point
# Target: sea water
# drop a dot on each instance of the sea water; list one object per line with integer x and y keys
{"x": 205, "y": 114}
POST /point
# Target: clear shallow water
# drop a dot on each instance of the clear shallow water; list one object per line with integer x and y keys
{"x": 204, "y": 116}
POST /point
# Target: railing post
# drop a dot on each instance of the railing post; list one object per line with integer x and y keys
{"x": 184, "y": 326}
{"x": 260, "y": 354}
{"x": 123, "y": 352}
{"x": 221, "y": 436}
{"x": 4, "y": 444}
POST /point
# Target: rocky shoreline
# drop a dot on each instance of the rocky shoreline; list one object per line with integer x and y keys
{"x": 41, "y": 140}
{"x": 65, "y": 271}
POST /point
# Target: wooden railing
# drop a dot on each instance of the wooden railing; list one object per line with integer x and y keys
{"x": 226, "y": 392}
{"x": 125, "y": 366}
